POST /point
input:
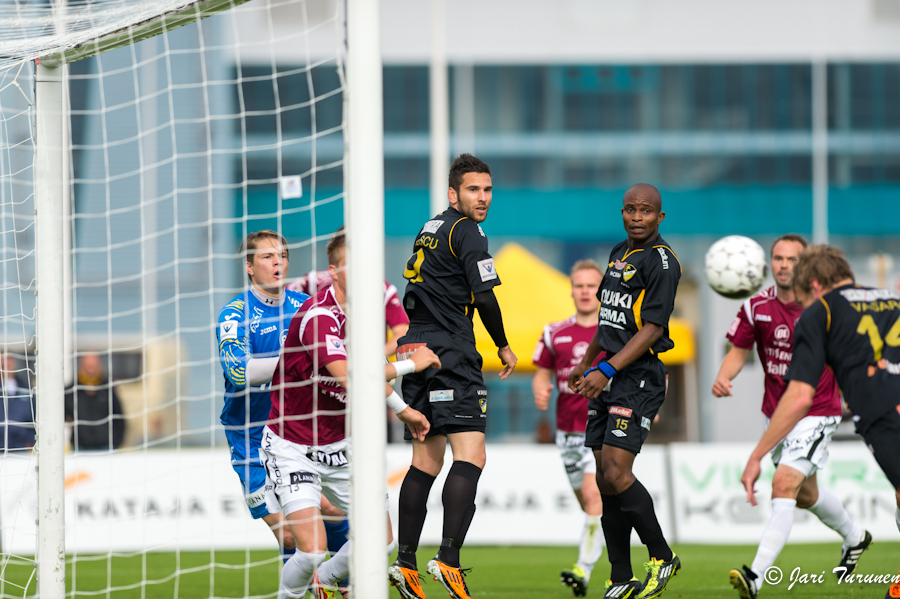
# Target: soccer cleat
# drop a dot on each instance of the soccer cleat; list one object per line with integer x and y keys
{"x": 575, "y": 578}
{"x": 406, "y": 580}
{"x": 744, "y": 580}
{"x": 320, "y": 591}
{"x": 659, "y": 573}
{"x": 622, "y": 590}
{"x": 452, "y": 578}
{"x": 850, "y": 556}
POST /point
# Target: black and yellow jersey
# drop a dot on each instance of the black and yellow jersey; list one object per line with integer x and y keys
{"x": 855, "y": 331}
{"x": 450, "y": 263}
{"x": 639, "y": 287}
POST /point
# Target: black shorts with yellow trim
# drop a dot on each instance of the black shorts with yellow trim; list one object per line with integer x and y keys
{"x": 883, "y": 439}
{"x": 453, "y": 398}
{"x": 622, "y": 415}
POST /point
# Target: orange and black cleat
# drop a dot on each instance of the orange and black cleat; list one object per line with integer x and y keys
{"x": 406, "y": 580}
{"x": 452, "y": 578}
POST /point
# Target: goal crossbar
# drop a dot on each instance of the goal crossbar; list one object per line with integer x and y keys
{"x": 81, "y": 38}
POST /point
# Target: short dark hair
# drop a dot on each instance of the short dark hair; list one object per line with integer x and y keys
{"x": 790, "y": 237}
{"x": 824, "y": 263}
{"x": 336, "y": 247}
{"x": 466, "y": 163}
{"x": 248, "y": 247}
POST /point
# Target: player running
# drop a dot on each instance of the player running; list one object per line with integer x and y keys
{"x": 768, "y": 319}
{"x": 251, "y": 331}
{"x": 305, "y": 443}
{"x": 450, "y": 274}
{"x": 856, "y": 331}
{"x": 560, "y": 349}
{"x": 626, "y": 389}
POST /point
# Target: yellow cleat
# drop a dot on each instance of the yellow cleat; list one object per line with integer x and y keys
{"x": 452, "y": 578}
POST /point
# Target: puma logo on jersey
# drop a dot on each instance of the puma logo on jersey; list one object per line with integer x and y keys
{"x": 762, "y": 317}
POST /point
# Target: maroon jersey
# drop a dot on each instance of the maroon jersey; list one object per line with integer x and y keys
{"x": 317, "y": 280}
{"x": 763, "y": 319}
{"x": 311, "y": 401}
{"x": 560, "y": 349}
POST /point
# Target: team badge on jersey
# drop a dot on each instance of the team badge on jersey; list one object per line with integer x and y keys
{"x": 482, "y": 400}
{"x": 228, "y": 330}
{"x": 629, "y": 272}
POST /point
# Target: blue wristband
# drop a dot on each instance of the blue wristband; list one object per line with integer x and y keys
{"x": 590, "y": 370}
{"x": 607, "y": 369}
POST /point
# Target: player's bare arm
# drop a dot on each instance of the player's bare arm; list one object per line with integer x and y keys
{"x": 792, "y": 406}
{"x": 595, "y": 381}
{"x": 422, "y": 359}
{"x": 577, "y": 375}
{"x": 542, "y": 387}
{"x": 509, "y": 361}
{"x": 732, "y": 364}
{"x": 416, "y": 421}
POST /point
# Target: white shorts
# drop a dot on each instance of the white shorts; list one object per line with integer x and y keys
{"x": 578, "y": 459}
{"x": 303, "y": 473}
{"x": 805, "y": 448}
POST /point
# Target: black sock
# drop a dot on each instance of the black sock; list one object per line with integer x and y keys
{"x": 637, "y": 505}
{"x": 413, "y": 507}
{"x": 617, "y": 531}
{"x": 459, "y": 507}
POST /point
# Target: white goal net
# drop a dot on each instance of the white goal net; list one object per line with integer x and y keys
{"x": 187, "y": 125}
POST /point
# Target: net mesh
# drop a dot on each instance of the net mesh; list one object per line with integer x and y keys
{"x": 181, "y": 144}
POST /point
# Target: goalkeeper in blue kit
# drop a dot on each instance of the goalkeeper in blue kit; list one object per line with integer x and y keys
{"x": 251, "y": 331}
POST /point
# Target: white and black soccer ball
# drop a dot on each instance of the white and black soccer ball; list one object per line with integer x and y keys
{"x": 736, "y": 267}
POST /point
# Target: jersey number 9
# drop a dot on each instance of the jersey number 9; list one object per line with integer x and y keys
{"x": 413, "y": 266}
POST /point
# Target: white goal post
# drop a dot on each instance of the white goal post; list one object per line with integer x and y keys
{"x": 69, "y": 32}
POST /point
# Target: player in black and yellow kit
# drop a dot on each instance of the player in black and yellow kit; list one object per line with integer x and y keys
{"x": 626, "y": 390}
{"x": 856, "y": 331}
{"x": 450, "y": 274}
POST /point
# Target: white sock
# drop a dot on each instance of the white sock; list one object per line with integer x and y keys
{"x": 337, "y": 568}
{"x": 774, "y": 536}
{"x": 831, "y": 512}
{"x": 297, "y": 574}
{"x": 591, "y": 547}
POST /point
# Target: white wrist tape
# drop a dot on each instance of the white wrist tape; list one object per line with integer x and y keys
{"x": 404, "y": 367}
{"x": 396, "y": 403}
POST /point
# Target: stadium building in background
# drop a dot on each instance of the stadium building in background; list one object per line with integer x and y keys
{"x": 569, "y": 103}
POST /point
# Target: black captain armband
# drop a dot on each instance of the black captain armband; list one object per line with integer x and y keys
{"x": 605, "y": 367}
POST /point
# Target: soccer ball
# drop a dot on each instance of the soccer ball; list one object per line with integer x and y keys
{"x": 735, "y": 267}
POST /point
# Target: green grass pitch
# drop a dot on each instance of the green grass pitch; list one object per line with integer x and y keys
{"x": 497, "y": 573}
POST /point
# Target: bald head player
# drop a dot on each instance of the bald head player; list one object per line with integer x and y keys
{"x": 627, "y": 388}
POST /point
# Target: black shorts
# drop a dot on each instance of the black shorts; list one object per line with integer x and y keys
{"x": 883, "y": 439}
{"x": 454, "y": 398}
{"x": 621, "y": 417}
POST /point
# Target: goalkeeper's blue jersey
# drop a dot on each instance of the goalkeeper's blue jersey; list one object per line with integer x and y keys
{"x": 251, "y": 325}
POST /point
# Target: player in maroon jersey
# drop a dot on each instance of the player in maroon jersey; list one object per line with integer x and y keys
{"x": 394, "y": 315}
{"x": 304, "y": 442}
{"x": 768, "y": 320}
{"x": 560, "y": 349}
